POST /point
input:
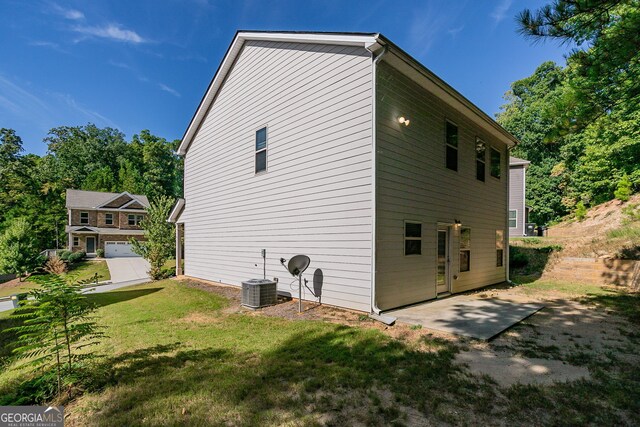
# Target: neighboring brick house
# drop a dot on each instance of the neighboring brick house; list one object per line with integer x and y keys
{"x": 98, "y": 220}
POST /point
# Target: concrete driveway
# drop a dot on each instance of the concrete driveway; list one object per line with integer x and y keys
{"x": 128, "y": 269}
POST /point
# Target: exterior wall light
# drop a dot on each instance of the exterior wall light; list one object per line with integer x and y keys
{"x": 403, "y": 121}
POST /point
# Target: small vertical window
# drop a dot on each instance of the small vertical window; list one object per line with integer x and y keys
{"x": 499, "y": 248}
{"x": 131, "y": 219}
{"x": 465, "y": 249}
{"x": 261, "y": 150}
{"x": 76, "y": 241}
{"x": 481, "y": 150}
{"x": 496, "y": 163}
{"x": 451, "y": 146}
{"x": 412, "y": 238}
{"x": 513, "y": 218}
{"x": 84, "y": 217}
{"x": 108, "y": 219}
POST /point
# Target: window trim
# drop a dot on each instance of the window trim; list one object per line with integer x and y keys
{"x": 82, "y": 220}
{"x": 108, "y": 218}
{"x": 265, "y": 149}
{"x": 405, "y": 238}
{"x": 482, "y": 160}
{"x": 446, "y": 143}
{"x": 514, "y": 219}
{"x": 493, "y": 149}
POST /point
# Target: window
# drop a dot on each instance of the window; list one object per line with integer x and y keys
{"x": 465, "y": 249}
{"x": 412, "y": 238}
{"x": 84, "y": 217}
{"x": 513, "y": 218}
{"x": 108, "y": 219}
{"x": 261, "y": 150}
{"x": 451, "y": 146}
{"x": 134, "y": 219}
{"x": 496, "y": 167}
{"x": 76, "y": 241}
{"x": 481, "y": 150}
{"x": 499, "y": 248}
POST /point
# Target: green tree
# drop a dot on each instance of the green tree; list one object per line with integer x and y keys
{"x": 581, "y": 211}
{"x": 101, "y": 179}
{"x": 57, "y": 327}
{"x": 160, "y": 234}
{"x": 18, "y": 250}
{"x": 623, "y": 192}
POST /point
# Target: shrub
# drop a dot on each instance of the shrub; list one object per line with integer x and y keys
{"x": 75, "y": 257}
{"x": 64, "y": 255}
{"x": 581, "y": 211}
{"x": 18, "y": 249}
{"x": 100, "y": 253}
{"x": 623, "y": 192}
{"x": 55, "y": 265}
{"x": 518, "y": 260}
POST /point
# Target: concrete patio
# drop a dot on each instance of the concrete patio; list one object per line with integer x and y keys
{"x": 467, "y": 315}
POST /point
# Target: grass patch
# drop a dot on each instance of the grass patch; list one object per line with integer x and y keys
{"x": 571, "y": 289}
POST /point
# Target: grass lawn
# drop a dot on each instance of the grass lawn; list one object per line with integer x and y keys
{"x": 81, "y": 271}
{"x": 181, "y": 356}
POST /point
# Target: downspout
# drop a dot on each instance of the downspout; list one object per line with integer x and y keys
{"x": 375, "y": 311}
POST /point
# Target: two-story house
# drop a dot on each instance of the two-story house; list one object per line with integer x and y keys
{"x": 99, "y": 220}
{"x": 342, "y": 147}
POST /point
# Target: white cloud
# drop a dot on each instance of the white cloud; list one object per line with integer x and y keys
{"x": 500, "y": 11}
{"x": 72, "y": 14}
{"x": 453, "y": 32}
{"x": 166, "y": 88}
{"x": 112, "y": 32}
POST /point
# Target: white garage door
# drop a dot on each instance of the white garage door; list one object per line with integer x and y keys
{"x": 116, "y": 249}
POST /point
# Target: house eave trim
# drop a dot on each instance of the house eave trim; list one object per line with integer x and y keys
{"x": 174, "y": 216}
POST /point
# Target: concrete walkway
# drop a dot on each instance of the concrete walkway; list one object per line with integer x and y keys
{"x": 468, "y": 315}
{"x": 128, "y": 269}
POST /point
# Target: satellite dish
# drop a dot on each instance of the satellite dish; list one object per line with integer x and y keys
{"x": 298, "y": 264}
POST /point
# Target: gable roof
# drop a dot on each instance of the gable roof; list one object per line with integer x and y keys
{"x": 514, "y": 161}
{"x": 81, "y": 199}
{"x": 373, "y": 42}
{"x": 176, "y": 211}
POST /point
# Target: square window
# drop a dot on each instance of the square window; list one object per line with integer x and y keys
{"x": 261, "y": 150}
{"x": 496, "y": 163}
{"x": 412, "y": 238}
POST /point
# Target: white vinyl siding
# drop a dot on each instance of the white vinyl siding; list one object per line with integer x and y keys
{"x": 316, "y": 198}
{"x": 516, "y": 199}
{"x": 413, "y": 182}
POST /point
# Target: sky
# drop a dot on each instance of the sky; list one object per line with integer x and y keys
{"x": 145, "y": 64}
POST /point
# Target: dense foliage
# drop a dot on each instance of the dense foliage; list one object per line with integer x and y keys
{"x": 80, "y": 157}
{"x": 160, "y": 235}
{"x": 19, "y": 254}
{"x": 580, "y": 124}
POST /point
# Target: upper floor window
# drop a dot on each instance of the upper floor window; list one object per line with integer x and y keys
{"x": 496, "y": 163}
{"x": 135, "y": 219}
{"x": 261, "y": 150}
{"x": 84, "y": 217}
{"x": 481, "y": 151}
{"x": 108, "y": 219}
{"x": 451, "y": 146}
{"x": 412, "y": 238}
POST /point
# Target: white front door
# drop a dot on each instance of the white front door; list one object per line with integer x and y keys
{"x": 118, "y": 249}
{"x": 443, "y": 261}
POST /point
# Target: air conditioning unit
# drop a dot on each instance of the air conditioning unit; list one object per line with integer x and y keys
{"x": 258, "y": 293}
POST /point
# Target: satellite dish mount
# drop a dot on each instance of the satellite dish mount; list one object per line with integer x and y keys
{"x": 296, "y": 266}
